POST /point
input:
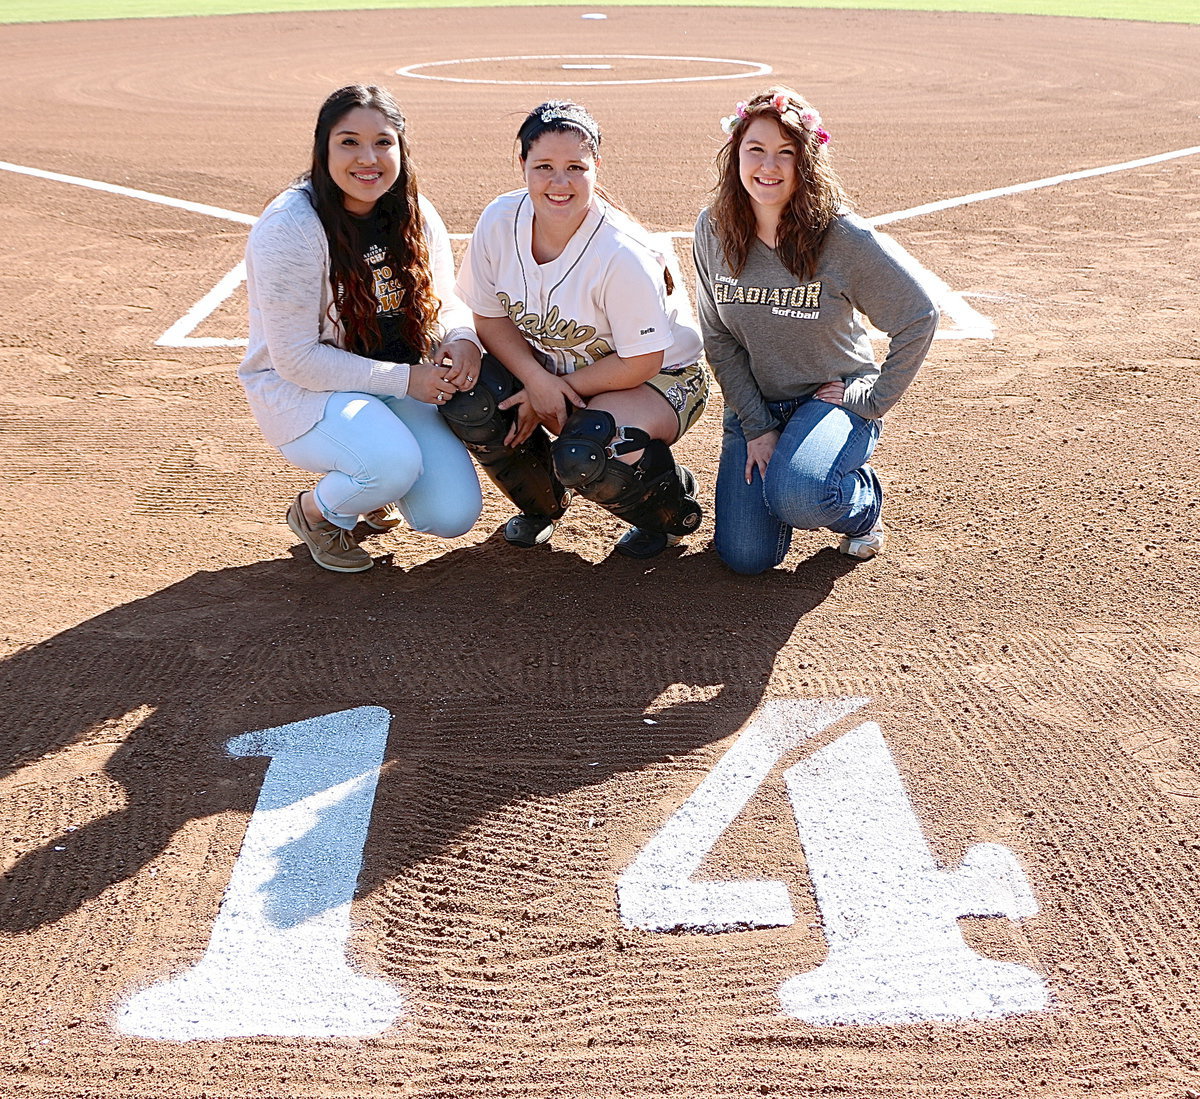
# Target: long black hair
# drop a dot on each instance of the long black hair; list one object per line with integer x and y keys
{"x": 400, "y": 213}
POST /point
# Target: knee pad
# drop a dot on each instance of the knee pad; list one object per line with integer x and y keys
{"x": 590, "y": 440}
{"x": 475, "y": 416}
{"x": 654, "y": 493}
{"x": 524, "y": 473}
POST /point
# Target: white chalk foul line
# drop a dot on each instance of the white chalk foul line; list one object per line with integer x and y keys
{"x": 969, "y": 323}
{"x": 132, "y": 192}
{"x": 1032, "y": 185}
{"x": 178, "y": 335}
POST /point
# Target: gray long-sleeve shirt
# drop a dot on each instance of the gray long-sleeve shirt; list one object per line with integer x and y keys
{"x": 769, "y": 336}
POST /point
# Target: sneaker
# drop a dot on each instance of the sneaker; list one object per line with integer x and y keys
{"x": 864, "y": 546}
{"x": 331, "y": 547}
{"x": 387, "y": 517}
{"x": 642, "y": 544}
{"x": 527, "y": 531}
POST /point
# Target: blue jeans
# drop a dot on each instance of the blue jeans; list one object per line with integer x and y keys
{"x": 381, "y": 450}
{"x": 817, "y": 477}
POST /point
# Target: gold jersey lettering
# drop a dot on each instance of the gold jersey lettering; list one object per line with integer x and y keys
{"x": 577, "y": 344}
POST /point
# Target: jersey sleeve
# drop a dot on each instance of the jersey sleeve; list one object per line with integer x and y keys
{"x": 635, "y": 302}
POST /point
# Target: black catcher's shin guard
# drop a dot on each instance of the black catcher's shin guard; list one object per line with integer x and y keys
{"x": 654, "y": 494}
{"x": 525, "y": 473}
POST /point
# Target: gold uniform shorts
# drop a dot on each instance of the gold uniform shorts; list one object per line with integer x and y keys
{"x": 687, "y": 389}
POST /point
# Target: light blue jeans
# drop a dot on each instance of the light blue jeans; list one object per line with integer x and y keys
{"x": 817, "y": 477}
{"x": 379, "y": 450}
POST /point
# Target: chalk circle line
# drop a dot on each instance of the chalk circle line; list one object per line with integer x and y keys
{"x": 745, "y": 69}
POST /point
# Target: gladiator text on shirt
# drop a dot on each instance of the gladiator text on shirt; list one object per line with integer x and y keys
{"x": 802, "y": 302}
{"x": 577, "y": 343}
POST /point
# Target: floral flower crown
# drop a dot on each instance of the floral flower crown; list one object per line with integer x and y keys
{"x": 807, "y": 118}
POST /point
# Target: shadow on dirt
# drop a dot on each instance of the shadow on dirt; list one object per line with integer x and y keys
{"x": 498, "y": 667}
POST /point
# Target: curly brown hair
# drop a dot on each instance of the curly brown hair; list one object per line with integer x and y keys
{"x": 813, "y": 206}
{"x": 403, "y": 230}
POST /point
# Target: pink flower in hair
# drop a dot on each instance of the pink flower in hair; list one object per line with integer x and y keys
{"x": 810, "y": 118}
{"x": 780, "y": 102}
{"x": 740, "y": 108}
{"x": 822, "y": 135}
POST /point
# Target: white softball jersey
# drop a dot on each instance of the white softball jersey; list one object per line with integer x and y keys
{"x": 605, "y": 293}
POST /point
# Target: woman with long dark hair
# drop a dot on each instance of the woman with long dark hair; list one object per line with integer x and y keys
{"x": 785, "y": 274}
{"x": 589, "y": 338}
{"x": 356, "y": 337}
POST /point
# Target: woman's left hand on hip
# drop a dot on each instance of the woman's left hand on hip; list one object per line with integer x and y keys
{"x": 831, "y": 392}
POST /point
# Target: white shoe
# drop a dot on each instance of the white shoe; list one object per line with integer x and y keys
{"x": 864, "y": 546}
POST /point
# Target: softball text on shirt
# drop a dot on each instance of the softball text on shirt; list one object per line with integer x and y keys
{"x": 799, "y": 302}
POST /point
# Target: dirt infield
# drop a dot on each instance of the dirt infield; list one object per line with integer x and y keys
{"x": 1028, "y": 647}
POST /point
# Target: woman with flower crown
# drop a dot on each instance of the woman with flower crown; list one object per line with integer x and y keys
{"x": 785, "y": 274}
{"x": 356, "y": 337}
{"x": 588, "y": 338}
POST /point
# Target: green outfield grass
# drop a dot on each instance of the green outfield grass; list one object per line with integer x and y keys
{"x": 47, "y": 11}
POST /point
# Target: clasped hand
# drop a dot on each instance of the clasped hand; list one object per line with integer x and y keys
{"x": 455, "y": 368}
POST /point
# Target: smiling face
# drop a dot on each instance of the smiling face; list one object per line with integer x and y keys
{"x": 767, "y": 166}
{"x": 364, "y": 158}
{"x": 560, "y": 172}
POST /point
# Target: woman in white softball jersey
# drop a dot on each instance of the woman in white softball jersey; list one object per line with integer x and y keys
{"x": 590, "y": 337}
{"x": 356, "y": 336}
